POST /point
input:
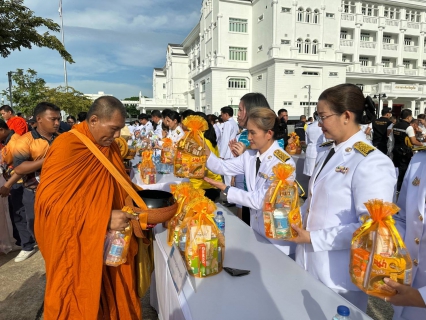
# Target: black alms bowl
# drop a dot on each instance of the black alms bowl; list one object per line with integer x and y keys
{"x": 155, "y": 199}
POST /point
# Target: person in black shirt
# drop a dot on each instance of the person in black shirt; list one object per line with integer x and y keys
{"x": 283, "y": 116}
{"x": 299, "y": 128}
{"x": 380, "y": 132}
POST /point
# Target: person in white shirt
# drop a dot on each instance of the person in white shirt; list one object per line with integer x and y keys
{"x": 314, "y": 138}
{"x": 411, "y": 132}
{"x": 172, "y": 120}
{"x": 368, "y": 130}
{"x": 347, "y": 175}
{"x": 391, "y": 139}
{"x": 156, "y": 118}
{"x": 218, "y": 127}
{"x": 146, "y": 125}
{"x": 229, "y": 132}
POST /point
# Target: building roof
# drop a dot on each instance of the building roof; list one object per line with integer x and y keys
{"x": 175, "y": 45}
{"x": 158, "y": 69}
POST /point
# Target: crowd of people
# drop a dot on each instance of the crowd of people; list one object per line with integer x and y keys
{"x": 56, "y": 184}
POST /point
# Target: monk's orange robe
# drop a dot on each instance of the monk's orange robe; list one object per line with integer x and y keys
{"x": 72, "y": 210}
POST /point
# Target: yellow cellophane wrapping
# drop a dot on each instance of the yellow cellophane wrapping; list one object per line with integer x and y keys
{"x": 167, "y": 151}
{"x": 294, "y": 147}
{"x": 205, "y": 245}
{"x": 378, "y": 252}
{"x": 282, "y": 194}
{"x": 147, "y": 168}
{"x": 183, "y": 194}
{"x": 190, "y": 159}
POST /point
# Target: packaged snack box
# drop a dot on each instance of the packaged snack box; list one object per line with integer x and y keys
{"x": 378, "y": 252}
{"x": 147, "y": 168}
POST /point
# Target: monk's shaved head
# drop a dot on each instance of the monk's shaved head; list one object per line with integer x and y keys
{"x": 104, "y": 107}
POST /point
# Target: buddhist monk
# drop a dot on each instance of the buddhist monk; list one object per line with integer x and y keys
{"x": 77, "y": 201}
{"x": 15, "y": 123}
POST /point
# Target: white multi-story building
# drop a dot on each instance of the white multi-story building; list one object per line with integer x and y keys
{"x": 94, "y": 96}
{"x": 291, "y": 50}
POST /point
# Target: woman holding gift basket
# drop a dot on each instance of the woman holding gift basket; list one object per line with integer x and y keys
{"x": 257, "y": 166}
{"x": 346, "y": 176}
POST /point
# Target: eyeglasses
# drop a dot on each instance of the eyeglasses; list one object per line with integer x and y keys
{"x": 322, "y": 118}
{"x": 70, "y": 122}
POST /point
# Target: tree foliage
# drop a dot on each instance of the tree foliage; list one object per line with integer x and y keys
{"x": 131, "y": 109}
{"x": 29, "y": 90}
{"x": 18, "y": 29}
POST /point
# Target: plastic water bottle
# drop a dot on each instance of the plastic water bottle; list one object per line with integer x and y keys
{"x": 342, "y": 313}
{"x": 220, "y": 221}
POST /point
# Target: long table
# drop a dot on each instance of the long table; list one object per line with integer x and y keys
{"x": 276, "y": 288}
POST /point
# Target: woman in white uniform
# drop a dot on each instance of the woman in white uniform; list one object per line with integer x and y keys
{"x": 410, "y": 301}
{"x": 314, "y": 139}
{"x": 172, "y": 120}
{"x": 346, "y": 176}
{"x": 256, "y": 164}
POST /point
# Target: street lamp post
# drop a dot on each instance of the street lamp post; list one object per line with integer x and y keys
{"x": 9, "y": 77}
{"x": 308, "y": 86}
{"x": 379, "y": 96}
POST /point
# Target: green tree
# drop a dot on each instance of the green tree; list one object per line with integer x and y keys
{"x": 18, "y": 29}
{"x": 131, "y": 109}
{"x": 27, "y": 91}
{"x": 68, "y": 99}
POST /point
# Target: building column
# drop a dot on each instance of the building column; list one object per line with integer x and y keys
{"x": 421, "y": 50}
{"x": 321, "y": 19}
{"x": 357, "y": 40}
{"x": 422, "y": 106}
{"x": 413, "y": 107}
{"x": 401, "y": 45}
{"x": 219, "y": 56}
{"x": 379, "y": 42}
{"x": 275, "y": 46}
{"x": 390, "y": 104}
{"x": 294, "y": 21}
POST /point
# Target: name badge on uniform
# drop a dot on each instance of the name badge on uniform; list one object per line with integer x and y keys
{"x": 263, "y": 175}
{"x": 342, "y": 169}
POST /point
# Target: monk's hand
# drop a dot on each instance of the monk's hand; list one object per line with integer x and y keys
{"x": 120, "y": 220}
{"x": 217, "y": 184}
{"x": 4, "y": 191}
{"x": 405, "y": 296}
{"x": 303, "y": 236}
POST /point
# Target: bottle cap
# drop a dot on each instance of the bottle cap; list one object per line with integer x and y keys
{"x": 219, "y": 212}
{"x": 343, "y": 311}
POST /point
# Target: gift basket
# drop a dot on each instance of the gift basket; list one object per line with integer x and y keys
{"x": 167, "y": 151}
{"x": 183, "y": 193}
{"x": 294, "y": 147}
{"x": 205, "y": 244}
{"x": 147, "y": 168}
{"x": 281, "y": 204}
{"x": 378, "y": 252}
{"x": 190, "y": 159}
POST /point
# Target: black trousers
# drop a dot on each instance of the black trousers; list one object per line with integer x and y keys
{"x": 212, "y": 194}
{"x": 401, "y": 161}
{"x": 24, "y": 220}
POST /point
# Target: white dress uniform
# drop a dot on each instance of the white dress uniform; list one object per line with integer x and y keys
{"x": 148, "y": 127}
{"x": 229, "y": 132}
{"x": 256, "y": 185}
{"x": 159, "y": 129}
{"x": 410, "y": 222}
{"x": 333, "y": 209}
{"x": 176, "y": 134}
{"x": 314, "y": 138}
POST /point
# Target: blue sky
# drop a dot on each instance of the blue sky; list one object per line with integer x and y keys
{"x": 115, "y": 44}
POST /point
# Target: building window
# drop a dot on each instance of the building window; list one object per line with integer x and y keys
{"x": 328, "y": 45}
{"x": 315, "y": 47}
{"x": 345, "y": 59}
{"x": 424, "y": 64}
{"x": 259, "y": 77}
{"x": 387, "y": 39}
{"x": 300, "y": 14}
{"x": 259, "y": 48}
{"x": 343, "y": 34}
{"x": 333, "y": 74}
{"x": 260, "y": 18}
{"x": 408, "y": 41}
{"x": 288, "y": 71}
{"x": 283, "y": 9}
{"x": 310, "y": 73}
{"x": 299, "y": 45}
{"x": 363, "y": 61}
{"x": 164, "y": 86}
{"x": 329, "y": 15}
{"x": 164, "y": 96}
{"x": 237, "y": 83}
{"x": 307, "y": 46}
{"x": 308, "y": 15}
{"x": 237, "y": 53}
{"x": 285, "y": 41}
{"x": 316, "y": 16}
{"x": 365, "y": 36}
{"x": 406, "y": 64}
{"x": 238, "y": 25}
{"x": 203, "y": 86}
{"x": 287, "y": 103}
{"x": 386, "y": 63}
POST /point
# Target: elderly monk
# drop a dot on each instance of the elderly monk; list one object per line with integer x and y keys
{"x": 77, "y": 201}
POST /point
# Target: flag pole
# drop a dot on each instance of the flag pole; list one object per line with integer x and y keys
{"x": 63, "y": 43}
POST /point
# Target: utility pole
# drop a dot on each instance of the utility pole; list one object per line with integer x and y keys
{"x": 308, "y": 86}
{"x": 9, "y": 77}
{"x": 63, "y": 43}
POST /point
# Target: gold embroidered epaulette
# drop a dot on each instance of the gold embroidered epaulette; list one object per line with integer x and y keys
{"x": 327, "y": 143}
{"x": 363, "y": 148}
{"x": 419, "y": 148}
{"x": 281, "y": 155}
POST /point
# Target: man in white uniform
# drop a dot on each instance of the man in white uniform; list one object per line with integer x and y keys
{"x": 410, "y": 302}
{"x": 314, "y": 138}
{"x": 146, "y": 125}
{"x": 156, "y": 118}
{"x": 229, "y": 132}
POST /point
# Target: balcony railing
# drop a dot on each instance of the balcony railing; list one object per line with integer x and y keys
{"x": 348, "y": 17}
{"x": 390, "y": 70}
{"x": 413, "y": 25}
{"x": 368, "y": 69}
{"x": 350, "y": 68}
{"x": 367, "y": 44}
{"x": 346, "y": 43}
{"x": 410, "y": 72}
{"x": 168, "y": 102}
{"x": 393, "y": 23}
{"x": 390, "y": 46}
{"x": 411, "y": 49}
{"x": 370, "y": 19}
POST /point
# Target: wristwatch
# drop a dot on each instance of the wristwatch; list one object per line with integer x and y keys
{"x": 225, "y": 192}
